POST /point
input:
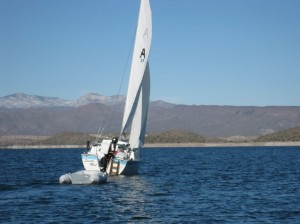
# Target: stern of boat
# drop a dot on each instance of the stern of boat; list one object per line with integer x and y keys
{"x": 123, "y": 167}
{"x": 90, "y": 162}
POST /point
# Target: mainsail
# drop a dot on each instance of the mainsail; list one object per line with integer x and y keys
{"x": 137, "y": 101}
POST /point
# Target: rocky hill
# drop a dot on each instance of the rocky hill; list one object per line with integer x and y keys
{"x": 75, "y": 138}
{"x": 289, "y": 135}
{"x": 63, "y": 138}
{"x": 223, "y": 120}
{"x": 21, "y": 114}
{"x": 175, "y": 136}
{"x": 172, "y": 136}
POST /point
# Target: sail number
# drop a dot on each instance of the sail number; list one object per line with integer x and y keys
{"x": 143, "y": 55}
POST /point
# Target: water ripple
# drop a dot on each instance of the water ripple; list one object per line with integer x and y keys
{"x": 194, "y": 185}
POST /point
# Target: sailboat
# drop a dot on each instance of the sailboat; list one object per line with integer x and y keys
{"x": 119, "y": 156}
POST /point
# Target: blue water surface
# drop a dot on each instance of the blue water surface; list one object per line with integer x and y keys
{"x": 175, "y": 185}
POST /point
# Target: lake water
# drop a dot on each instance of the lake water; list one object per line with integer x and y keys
{"x": 175, "y": 185}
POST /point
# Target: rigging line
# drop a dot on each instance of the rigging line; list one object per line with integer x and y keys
{"x": 101, "y": 124}
{"x": 122, "y": 80}
{"x": 114, "y": 104}
{"x": 98, "y": 133}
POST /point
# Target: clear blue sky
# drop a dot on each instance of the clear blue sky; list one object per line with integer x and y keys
{"x": 204, "y": 52}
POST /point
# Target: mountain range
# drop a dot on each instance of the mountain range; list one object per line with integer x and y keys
{"x": 21, "y": 100}
{"x": 22, "y": 114}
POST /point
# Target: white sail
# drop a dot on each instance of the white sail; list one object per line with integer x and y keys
{"x": 137, "y": 100}
{"x": 138, "y": 127}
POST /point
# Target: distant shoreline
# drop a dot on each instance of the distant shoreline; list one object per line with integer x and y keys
{"x": 161, "y": 145}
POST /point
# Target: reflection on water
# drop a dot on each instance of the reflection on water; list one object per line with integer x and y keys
{"x": 128, "y": 196}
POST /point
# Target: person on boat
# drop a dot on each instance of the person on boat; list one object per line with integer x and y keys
{"x": 103, "y": 163}
{"x": 113, "y": 147}
{"x": 114, "y": 143}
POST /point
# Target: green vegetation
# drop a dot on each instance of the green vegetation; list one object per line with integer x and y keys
{"x": 66, "y": 138}
{"x": 172, "y": 136}
{"x": 289, "y": 135}
{"x": 175, "y": 136}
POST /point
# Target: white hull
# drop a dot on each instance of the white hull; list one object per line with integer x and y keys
{"x": 90, "y": 162}
{"x": 115, "y": 166}
{"x": 122, "y": 167}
